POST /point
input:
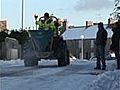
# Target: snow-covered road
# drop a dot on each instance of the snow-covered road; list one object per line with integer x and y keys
{"x": 80, "y": 75}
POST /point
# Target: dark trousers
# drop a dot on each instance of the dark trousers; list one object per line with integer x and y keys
{"x": 100, "y": 55}
{"x": 117, "y": 55}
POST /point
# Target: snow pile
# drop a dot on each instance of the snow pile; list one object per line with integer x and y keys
{"x": 47, "y": 62}
{"x": 107, "y": 81}
{"x": 72, "y": 58}
{"x": 10, "y": 63}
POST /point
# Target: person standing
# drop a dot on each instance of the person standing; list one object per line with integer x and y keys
{"x": 101, "y": 39}
{"x": 114, "y": 47}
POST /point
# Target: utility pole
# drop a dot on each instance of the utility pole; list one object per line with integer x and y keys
{"x": 22, "y": 21}
{"x": 82, "y": 47}
{"x": 0, "y": 9}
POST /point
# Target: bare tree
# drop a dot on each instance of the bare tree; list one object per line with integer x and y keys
{"x": 116, "y": 10}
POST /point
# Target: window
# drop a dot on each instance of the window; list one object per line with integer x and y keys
{"x": 92, "y": 43}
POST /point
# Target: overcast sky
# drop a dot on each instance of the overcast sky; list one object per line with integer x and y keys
{"x": 76, "y": 11}
{"x": 93, "y": 4}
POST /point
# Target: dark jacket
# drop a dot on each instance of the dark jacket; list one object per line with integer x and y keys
{"x": 101, "y": 37}
{"x": 115, "y": 39}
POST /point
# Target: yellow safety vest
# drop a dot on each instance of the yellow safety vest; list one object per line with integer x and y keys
{"x": 47, "y": 24}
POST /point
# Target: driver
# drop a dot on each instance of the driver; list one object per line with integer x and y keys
{"x": 47, "y": 23}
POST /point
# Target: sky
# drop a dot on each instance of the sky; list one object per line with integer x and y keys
{"x": 75, "y": 11}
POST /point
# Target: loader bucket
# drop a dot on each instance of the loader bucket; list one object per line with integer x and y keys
{"x": 41, "y": 38}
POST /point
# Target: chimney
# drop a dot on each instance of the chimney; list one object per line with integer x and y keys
{"x": 65, "y": 24}
{"x": 3, "y": 25}
{"x": 111, "y": 21}
{"x": 89, "y": 23}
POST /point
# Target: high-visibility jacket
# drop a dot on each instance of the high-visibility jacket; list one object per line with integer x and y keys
{"x": 46, "y": 24}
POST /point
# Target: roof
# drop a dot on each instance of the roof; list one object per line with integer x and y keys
{"x": 89, "y": 33}
{"x": 73, "y": 33}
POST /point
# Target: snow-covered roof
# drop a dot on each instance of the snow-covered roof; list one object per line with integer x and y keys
{"x": 73, "y": 33}
{"x": 89, "y": 33}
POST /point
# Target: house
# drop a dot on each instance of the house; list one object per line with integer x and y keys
{"x": 10, "y": 49}
{"x": 85, "y": 46}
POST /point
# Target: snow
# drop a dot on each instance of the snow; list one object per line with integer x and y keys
{"x": 9, "y": 63}
{"x": 90, "y": 32}
{"x": 73, "y": 33}
{"x": 79, "y": 75}
{"x": 106, "y": 81}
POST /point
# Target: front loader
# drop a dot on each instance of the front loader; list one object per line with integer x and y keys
{"x": 45, "y": 44}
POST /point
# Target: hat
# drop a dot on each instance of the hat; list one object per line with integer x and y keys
{"x": 100, "y": 23}
{"x": 46, "y": 14}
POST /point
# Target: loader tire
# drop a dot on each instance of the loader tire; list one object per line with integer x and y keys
{"x": 29, "y": 56}
{"x": 64, "y": 59}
